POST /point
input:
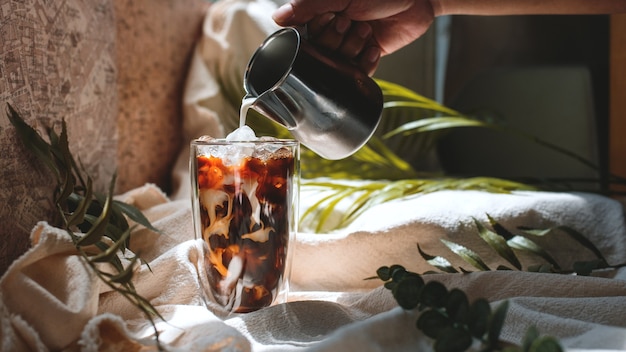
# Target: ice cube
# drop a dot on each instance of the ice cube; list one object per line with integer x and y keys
{"x": 265, "y": 150}
{"x": 234, "y": 154}
{"x": 243, "y": 133}
{"x": 206, "y": 138}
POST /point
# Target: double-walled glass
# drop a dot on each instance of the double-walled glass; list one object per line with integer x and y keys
{"x": 245, "y": 201}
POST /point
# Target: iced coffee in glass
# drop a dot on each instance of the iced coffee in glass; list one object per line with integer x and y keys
{"x": 244, "y": 199}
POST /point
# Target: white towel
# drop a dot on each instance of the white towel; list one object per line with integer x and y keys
{"x": 49, "y": 300}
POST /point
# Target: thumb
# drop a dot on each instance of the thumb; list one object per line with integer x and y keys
{"x": 284, "y": 15}
{"x": 297, "y": 12}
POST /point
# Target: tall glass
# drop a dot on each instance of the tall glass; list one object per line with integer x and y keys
{"x": 245, "y": 201}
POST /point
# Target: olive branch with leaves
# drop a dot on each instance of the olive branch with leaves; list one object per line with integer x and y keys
{"x": 98, "y": 225}
{"x": 505, "y": 243}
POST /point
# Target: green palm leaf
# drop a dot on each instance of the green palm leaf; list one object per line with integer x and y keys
{"x": 435, "y": 124}
{"x": 371, "y": 193}
{"x": 396, "y": 94}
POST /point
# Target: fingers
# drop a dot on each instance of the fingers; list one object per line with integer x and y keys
{"x": 369, "y": 59}
{"x": 297, "y": 12}
{"x": 360, "y": 30}
{"x": 284, "y": 15}
{"x": 328, "y": 33}
{"x": 359, "y": 46}
{"x": 352, "y": 40}
{"x": 333, "y": 34}
{"x": 355, "y": 39}
{"x": 316, "y": 25}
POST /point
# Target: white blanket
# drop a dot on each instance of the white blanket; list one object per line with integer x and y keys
{"x": 50, "y": 301}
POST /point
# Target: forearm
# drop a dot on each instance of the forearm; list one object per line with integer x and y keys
{"x": 526, "y": 7}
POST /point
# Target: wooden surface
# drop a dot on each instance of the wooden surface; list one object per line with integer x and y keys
{"x": 617, "y": 134}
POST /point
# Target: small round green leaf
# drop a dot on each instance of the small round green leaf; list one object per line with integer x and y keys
{"x": 434, "y": 294}
{"x": 585, "y": 268}
{"x": 479, "y": 314}
{"x": 432, "y": 322}
{"x": 407, "y": 291}
{"x": 383, "y": 273}
{"x": 390, "y": 285}
{"x": 546, "y": 344}
{"x": 397, "y": 272}
{"x": 496, "y": 322}
{"x": 453, "y": 339}
{"x": 531, "y": 335}
{"x": 457, "y": 306}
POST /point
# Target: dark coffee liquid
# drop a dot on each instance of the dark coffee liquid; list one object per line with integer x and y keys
{"x": 244, "y": 211}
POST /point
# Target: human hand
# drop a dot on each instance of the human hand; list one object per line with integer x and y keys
{"x": 360, "y": 30}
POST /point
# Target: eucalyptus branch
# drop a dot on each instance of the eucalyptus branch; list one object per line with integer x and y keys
{"x": 448, "y": 317}
{"x": 97, "y": 224}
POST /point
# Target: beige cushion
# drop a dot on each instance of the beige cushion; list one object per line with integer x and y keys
{"x": 115, "y": 71}
{"x": 155, "y": 39}
{"x": 57, "y": 63}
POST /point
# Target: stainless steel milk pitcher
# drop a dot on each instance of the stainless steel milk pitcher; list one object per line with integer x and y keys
{"x": 328, "y": 105}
